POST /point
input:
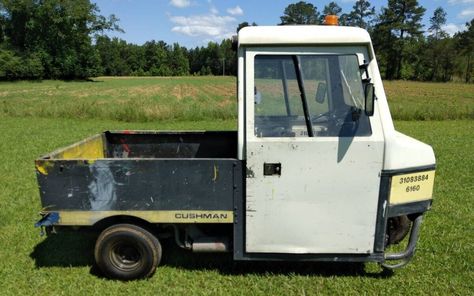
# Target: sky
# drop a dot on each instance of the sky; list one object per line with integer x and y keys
{"x": 194, "y": 23}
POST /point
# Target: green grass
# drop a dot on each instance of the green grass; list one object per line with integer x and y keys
{"x": 123, "y": 99}
{"x": 30, "y": 264}
{"x": 411, "y": 100}
{"x": 200, "y": 98}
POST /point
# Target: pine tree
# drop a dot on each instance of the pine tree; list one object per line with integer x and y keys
{"x": 399, "y": 23}
{"x": 437, "y": 21}
{"x": 362, "y": 14}
{"x": 331, "y": 9}
{"x": 300, "y": 13}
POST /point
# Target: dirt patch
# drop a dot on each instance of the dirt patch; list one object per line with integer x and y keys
{"x": 151, "y": 90}
{"x": 221, "y": 90}
{"x": 184, "y": 91}
{"x": 224, "y": 103}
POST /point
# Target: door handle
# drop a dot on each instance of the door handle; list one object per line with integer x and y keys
{"x": 271, "y": 169}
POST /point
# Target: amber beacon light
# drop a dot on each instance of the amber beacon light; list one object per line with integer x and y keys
{"x": 331, "y": 20}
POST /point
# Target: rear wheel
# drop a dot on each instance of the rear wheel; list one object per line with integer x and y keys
{"x": 127, "y": 252}
{"x": 397, "y": 229}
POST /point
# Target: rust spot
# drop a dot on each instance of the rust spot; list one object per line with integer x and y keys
{"x": 250, "y": 173}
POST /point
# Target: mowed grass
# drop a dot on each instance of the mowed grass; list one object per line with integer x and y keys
{"x": 200, "y": 98}
{"x": 63, "y": 264}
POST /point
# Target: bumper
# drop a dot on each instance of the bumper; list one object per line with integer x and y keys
{"x": 409, "y": 208}
{"x": 405, "y": 256}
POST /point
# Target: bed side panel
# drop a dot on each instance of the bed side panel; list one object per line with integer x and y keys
{"x": 136, "y": 185}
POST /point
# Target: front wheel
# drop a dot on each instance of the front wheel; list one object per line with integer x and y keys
{"x": 127, "y": 252}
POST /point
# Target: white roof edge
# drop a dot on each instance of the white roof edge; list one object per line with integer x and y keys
{"x": 302, "y": 34}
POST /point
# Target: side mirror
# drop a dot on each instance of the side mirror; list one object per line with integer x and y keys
{"x": 321, "y": 92}
{"x": 369, "y": 99}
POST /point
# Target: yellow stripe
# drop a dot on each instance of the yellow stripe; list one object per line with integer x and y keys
{"x": 92, "y": 148}
{"x": 87, "y": 218}
{"x": 412, "y": 187}
{"x": 43, "y": 166}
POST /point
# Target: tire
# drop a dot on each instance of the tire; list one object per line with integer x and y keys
{"x": 127, "y": 252}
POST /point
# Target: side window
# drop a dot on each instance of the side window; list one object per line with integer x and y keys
{"x": 277, "y": 98}
{"x": 351, "y": 80}
{"x": 294, "y": 94}
{"x": 317, "y": 85}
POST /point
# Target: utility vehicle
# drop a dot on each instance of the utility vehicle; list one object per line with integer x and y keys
{"x": 316, "y": 170}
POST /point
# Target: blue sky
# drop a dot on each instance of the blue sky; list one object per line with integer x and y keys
{"x": 196, "y": 22}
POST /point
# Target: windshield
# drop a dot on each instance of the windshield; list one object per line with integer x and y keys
{"x": 309, "y": 95}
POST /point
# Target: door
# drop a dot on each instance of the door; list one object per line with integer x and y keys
{"x": 313, "y": 156}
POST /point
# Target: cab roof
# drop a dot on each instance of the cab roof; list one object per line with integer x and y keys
{"x": 302, "y": 34}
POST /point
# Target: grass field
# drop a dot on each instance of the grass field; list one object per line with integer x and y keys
{"x": 200, "y": 98}
{"x": 39, "y": 117}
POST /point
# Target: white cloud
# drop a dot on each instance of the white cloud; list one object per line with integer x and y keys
{"x": 214, "y": 10}
{"x": 451, "y": 29}
{"x": 460, "y": 1}
{"x": 208, "y": 26}
{"x": 235, "y": 11}
{"x": 467, "y": 13}
{"x": 180, "y": 3}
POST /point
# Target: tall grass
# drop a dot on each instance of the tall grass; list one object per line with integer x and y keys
{"x": 410, "y": 100}
{"x": 200, "y": 98}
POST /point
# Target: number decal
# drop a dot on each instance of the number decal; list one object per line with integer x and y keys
{"x": 412, "y": 187}
{"x": 413, "y": 179}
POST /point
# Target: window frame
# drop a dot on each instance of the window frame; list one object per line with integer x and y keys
{"x": 251, "y": 56}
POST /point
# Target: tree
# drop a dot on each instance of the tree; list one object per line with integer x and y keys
{"x": 465, "y": 46}
{"x": 157, "y": 58}
{"x": 399, "y": 24}
{"x": 437, "y": 21}
{"x": 242, "y": 25}
{"x": 362, "y": 14}
{"x": 57, "y": 32}
{"x": 117, "y": 56}
{"x": 245, "y": 24}
{"x": 3, "y": 23}
{"x": 300, "y": 13}
{"x": 178, "y": 61}
{"x": 344, "y": 20}
{"x": 331, "y": 9}
{"x": 230, "y": 57}
{"x": 439, "y": 47}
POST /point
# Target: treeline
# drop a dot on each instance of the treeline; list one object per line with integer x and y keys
{"x": 404, "y": 49}
{"x": 65, "y": 39}
{"x": 156, "y": 58}
{"x": 50, "y": 38}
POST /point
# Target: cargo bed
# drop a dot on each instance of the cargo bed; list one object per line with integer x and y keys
{"x": 161, "y": 177}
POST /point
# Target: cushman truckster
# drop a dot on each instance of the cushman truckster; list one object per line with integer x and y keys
{"x": 316, "y": 170}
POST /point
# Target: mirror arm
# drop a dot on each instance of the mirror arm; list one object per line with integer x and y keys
{"x": 364, "y": 66}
